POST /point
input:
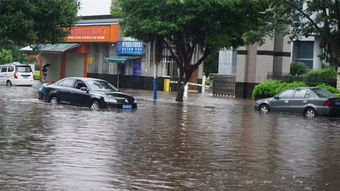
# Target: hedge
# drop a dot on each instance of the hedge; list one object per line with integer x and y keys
{"x": 324, "y": 78}
{"x": 273, "y": 87}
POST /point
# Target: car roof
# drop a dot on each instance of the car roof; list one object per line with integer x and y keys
{"x": 15, "y": 64}
{"x": 84, "y": 78}
{"x": 310, "y": 88}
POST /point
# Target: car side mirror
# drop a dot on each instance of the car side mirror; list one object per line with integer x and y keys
{"x": 84, "y": 89}
{"x": 276, "y": 97}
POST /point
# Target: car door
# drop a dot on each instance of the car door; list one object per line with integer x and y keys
{"x": 65, "y": 90}
{"x": 3, "y": 75}
{"x": 299, "y": 100}
{"x": 281, "y": 102}
{"x": 80, "y": 97}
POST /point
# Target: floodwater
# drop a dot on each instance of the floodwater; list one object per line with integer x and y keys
{"x": 207, "y": 143}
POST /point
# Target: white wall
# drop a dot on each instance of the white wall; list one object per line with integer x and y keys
{"x": 94, "y": 7}
{"x": 53, "y": 71}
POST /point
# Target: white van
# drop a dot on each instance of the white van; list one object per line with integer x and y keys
{"x": 16, "y": 74}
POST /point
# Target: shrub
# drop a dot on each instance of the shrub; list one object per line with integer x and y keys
{"x": 36, "y": 74}
{"x": 266, "y": 89}
{"x": 326, "y": 75}
{"x": 329, "y": 88}
{"x": 273, "y": 87}
{"x": 297, "y": 68}
{"x": 285, "y": 85}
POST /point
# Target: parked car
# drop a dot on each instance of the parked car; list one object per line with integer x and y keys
{"x": 308, "y": 101}
{"x": 89, "y": 92}
{"x": 16, "y": 74}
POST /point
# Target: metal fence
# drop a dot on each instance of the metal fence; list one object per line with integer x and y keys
{"x": 223, "y": 85}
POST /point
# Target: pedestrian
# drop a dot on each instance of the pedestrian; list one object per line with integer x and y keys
{"x": 44, "y": 71}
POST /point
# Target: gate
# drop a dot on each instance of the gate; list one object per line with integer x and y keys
{"x": 223, "y": 85}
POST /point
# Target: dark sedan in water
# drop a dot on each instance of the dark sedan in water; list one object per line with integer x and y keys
{"x": 89, "y": 92}
{"x": 307, "y": 101}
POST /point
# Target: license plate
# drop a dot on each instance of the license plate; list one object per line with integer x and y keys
{"x": 337, "y": 103}
{"x": 127, "y": 106}
{"x": 25, "y": 77}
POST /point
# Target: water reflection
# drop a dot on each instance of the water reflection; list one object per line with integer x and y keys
{"x": 205, "y": 143}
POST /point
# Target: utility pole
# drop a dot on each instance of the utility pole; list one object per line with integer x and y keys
{"x": 154, "y": 74}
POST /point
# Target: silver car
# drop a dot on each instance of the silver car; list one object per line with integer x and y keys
{"x": 308, "y": 101}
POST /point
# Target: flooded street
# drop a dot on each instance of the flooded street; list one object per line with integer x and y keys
{"x": 206, "y": 143}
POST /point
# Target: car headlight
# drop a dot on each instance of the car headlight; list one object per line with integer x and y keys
{"x": 110, "y": 100}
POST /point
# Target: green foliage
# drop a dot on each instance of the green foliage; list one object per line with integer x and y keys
{"x": 186, "y": 26}
{"x": 273, "y": 87}
{"x": 295, "y": 84}
{"x": 329, "y": 88}
{"x": 13, "y": 54}
{"x": 318, "y": 18}
{"x": 297, "y": 68}
{"x": 324, "y": 78}
{"x": 266, "y": 89}
{"x": 31, "y": 22}
{"x": 5, "y": 56}
{"x": 36, "y": 75}
{"x": 326, "y": 75}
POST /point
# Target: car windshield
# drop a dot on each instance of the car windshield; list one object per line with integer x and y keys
{"x": 25, "y": 69}
{"x": 98, "y": 85}
{"x": 323, "y": 93}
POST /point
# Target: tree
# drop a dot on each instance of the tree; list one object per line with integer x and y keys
{"x": 186, "y": 26}
{"x": 5, "y": 56}
{"x": 36, "y": 21}
{"x": 316, "y": 18}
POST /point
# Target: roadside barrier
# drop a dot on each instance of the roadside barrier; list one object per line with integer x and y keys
{"x": 167, "y": 83}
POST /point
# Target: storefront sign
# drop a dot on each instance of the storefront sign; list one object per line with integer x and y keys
{"x": 130, "y": 47}
{"x": 100, "y": 33}
{"x": 89, "y": 60}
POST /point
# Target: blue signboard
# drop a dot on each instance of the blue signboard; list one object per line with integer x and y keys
{"x": 130, "y": 47}
{"x": 137, "y": 67}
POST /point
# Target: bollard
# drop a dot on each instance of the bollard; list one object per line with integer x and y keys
{"x": 185, "y": 91}
{"x": 166, "y": 85}
{"x": 203, "y": 83}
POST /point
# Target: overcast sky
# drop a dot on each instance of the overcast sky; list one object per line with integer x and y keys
{"x": 94, "y": 7}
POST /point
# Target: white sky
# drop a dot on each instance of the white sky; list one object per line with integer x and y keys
{"x": 94, "y": 7}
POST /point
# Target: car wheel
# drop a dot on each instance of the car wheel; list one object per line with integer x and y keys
{"x": 54, "y": 100}
{"x": 310, "y": 113}
{"x": 95, "y": 106}
{"x": 41, "y": 97}
{"x": 264, "y": 108}
{"x": 8, "y": 83}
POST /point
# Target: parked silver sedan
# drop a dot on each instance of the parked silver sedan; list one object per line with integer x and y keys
{"x": 308, "y": 101}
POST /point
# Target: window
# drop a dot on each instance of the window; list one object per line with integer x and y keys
{"x": 67, "y": 83}
{"x": 97, "y": 85}
{"x": 323, "y": 93}
{"x": 304, "y": 52}
{"x": 10, "y": 68}
{"x": 300, "y": 93}
{"x": 25, "y": 69}
{"x": 79, "y": 84}
{"x": 4, "y": 69}
{"x": 286, "y": 94}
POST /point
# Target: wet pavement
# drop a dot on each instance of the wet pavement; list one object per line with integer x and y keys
{"x": 206, "y": 143}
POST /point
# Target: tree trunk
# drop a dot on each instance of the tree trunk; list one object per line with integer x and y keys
{"x": 180, "y": 92}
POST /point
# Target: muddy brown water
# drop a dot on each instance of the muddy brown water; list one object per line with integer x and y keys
{"x": 206, "y": 143}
